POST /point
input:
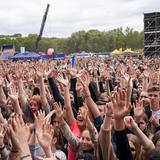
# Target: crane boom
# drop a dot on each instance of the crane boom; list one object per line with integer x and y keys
{"x": 42, "y": 27}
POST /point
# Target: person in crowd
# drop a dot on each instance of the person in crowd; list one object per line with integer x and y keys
{"x": 101, "y": 107}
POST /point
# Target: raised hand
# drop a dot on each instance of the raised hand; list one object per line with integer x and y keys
{"x": 85, "y": 77}
{"x": 146, "y": 73}
{"x": 1, "y": 81}
{"x": 39, "y": 121}
{"x": 49, "y": 115}
{"x": 84, "y": 80}
{"x": 59, "y": 112}
{"x": 2, "y": 120}
{"x": 9, "y": 84}
{"x": 126, "y": 76}
{"x": 19, "y": 132}
{"x": 63, "y": 81}
{"x": 51, "y": 73}
{"x": 155, "y": 121}
{"x": 109, "y": 109}
{"x": 2, "y": 134}
{"x": 13, "y": 96}
{"x": 122, "y": 70}
{"x": 121, "y": 108}
{"x": 12, "y": 89}
{"x": 31, "y": 82}
{"x": 122, "y": 82}
{"x": 138, "y": 110}
{"x": 40, "y": 71}
{"x": 18, "y": 71}
{"x": 79, "y": 86}
{"x": 72, "y": 72}
{"x": 106, "y": 74}
{"x": 45, "y": 136}
{"x": 130, "y": 123}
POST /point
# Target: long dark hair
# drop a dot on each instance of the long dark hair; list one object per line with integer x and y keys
{"x": 86, "y": 155}
{"x": 60, "y": 139}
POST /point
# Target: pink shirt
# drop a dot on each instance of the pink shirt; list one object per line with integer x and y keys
{"x": 71, "y": 151}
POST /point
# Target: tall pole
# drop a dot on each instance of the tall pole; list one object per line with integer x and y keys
{"x": 42, "y": 27}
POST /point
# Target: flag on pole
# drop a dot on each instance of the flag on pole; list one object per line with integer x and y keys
{"x": 73, "y": 60}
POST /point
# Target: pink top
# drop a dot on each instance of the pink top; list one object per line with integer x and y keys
{"x": 71, "y": 151}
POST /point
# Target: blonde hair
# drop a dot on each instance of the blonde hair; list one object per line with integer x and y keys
{"x": 132, "y": 138}
{"x": 37, "y": 98}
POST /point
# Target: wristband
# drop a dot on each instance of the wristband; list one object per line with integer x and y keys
{"x": 26, "y": 156}
{"x": 14, "y": 151}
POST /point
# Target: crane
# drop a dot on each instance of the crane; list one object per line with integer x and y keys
{"x": 42, "y": 27}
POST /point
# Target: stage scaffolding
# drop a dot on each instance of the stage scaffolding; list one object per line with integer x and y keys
{"x": 152, "y": 34}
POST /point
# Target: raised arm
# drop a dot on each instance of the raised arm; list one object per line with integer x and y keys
{"x": 120, "y": 110}
{"x": 138, "y": 110}
{"x": 73, "y": 140}
{"x": 3, "y": 151}
{"x": 90, "y": 103}
{"x": 3, "y": 99}
{"x": 55, "y": 91}
{"x": 19, "y": 134}
{"x": 67, "y": 102}
{"x": 105, "y": 148}
{"x": 22, "y": 95}
{"x": 44, "y": 133}
{"x": 42, "y": 88}
{"x": 14, "y": 97}
{"x": 144, "y": 140}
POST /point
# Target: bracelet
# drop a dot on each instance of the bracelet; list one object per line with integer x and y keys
{"x": 87, "y": 96}
{"x": 108, "y": 115}
{"x": 14, "y": 151}
{"x": 2, "y": 148}
{"x": 26, "y": 156}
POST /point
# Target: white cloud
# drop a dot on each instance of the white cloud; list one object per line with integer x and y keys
{"x": 67, "y": 16}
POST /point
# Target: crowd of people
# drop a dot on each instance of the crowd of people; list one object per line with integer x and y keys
{"x": 97, "y": 109}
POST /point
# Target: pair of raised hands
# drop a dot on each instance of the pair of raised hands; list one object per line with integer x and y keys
{"x": 44, "y": 130}
{"x": 83, "y": 80}
{"x": 112, "y": 110}
{"x": 121, "y": 103}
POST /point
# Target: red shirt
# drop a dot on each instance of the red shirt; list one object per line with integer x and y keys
{"x": 76, "y": 131}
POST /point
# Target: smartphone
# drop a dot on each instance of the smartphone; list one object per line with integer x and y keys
{"x": 148, "y": 111}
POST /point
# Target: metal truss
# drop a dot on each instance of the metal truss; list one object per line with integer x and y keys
{"x": 152, "y": 33}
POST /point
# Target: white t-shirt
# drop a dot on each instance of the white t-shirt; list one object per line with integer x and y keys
{"x": 156, "y": 113}
{"x": 60, "y": 155}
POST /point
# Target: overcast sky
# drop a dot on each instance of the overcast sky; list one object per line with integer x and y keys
{"x": 68, "y": 16}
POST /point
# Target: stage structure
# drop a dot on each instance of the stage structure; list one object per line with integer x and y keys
{"x": 152, "y": 34}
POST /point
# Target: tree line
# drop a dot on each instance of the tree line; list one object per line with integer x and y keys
{"x": 89, "y": 41}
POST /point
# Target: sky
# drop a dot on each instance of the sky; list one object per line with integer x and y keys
{"x": 68, "y": 16}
